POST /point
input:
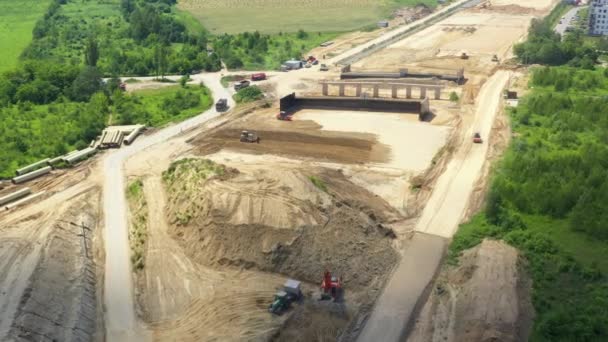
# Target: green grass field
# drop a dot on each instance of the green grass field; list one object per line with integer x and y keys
{"x": 273, "y": 16}
{"x": 17, "y": 20}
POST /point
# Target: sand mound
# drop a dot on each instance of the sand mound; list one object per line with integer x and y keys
{"x": 485, "y": 298}
{"x": 274, "y": 219}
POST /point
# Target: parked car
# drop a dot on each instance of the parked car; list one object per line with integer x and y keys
{"x": 241, "y": 84}
{"x": 323, "y": 67}
{"x": 258, "y": 77}
{"x": 221, "y": 105}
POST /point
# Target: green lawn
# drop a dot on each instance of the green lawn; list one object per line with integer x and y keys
{"x": 17, "y": 20}
{"x": 273, "y": 16}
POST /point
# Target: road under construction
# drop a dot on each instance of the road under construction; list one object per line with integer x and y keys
{"x": 372, "y": 194}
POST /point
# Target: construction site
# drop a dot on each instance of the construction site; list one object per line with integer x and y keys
{"x": 320, "y": 213}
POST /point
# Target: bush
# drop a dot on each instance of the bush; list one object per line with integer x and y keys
{"x": 249, "y": 94}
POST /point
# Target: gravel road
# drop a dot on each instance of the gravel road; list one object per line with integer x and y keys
{"x": 121, "y": 322}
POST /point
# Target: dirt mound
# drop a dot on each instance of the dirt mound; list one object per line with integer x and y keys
{"x": 277, "y": 220}
{"x": 485, "y": 298}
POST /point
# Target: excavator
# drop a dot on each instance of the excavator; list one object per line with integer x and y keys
{"x": 331, "y": 287}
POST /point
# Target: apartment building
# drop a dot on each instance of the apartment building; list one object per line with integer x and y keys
{"x": 598, "y": 17}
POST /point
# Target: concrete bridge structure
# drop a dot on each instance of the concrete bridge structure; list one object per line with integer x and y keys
{"x": 377, "y": 86}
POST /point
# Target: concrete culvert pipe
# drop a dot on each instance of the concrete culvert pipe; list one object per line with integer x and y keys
{"x": 32, "y": 167}
{"x": 29, "y": 176}
{"x": 82, "y": 154}
{"x": 23, "y": 201}
{"x": 15, "y": 196}
{"x": 131, "y": 137}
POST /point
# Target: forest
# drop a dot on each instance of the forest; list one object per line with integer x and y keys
{"x": 549, "y": 194}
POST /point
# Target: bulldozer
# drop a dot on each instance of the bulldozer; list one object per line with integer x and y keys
{"x": 464, "y": 55}
{"x": 494, "y": 58}
{"x": 290, "y": 293}
{"x": 250, "y": 137}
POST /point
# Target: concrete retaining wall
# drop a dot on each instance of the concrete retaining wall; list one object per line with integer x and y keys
{"x": 292, "y": 102}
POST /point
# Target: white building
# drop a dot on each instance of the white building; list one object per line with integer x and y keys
{"x": 598, "y": 17}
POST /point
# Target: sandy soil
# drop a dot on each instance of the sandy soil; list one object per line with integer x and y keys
{"x": 48, "y": 275}
{"x": 458, "y": 308}
{"x": 270, "y": 218}
{"x": 400, "y": 132}
{"x": 181, "y": 300}
{"x": 474, "y": 31}
{"x": 446, "y": 207}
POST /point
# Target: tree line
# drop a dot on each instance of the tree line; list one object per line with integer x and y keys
{"x": 545, "y": 46}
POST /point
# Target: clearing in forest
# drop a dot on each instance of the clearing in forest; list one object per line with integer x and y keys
{"x": 273, "y": 16}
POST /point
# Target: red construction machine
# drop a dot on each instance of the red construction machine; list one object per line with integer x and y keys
{"x": 284, "y": 116}
{"x": 331, "y": 287}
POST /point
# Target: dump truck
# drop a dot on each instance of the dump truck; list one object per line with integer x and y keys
{"x": 290, "y": 293}
{"x": 241, "y": 84}
{"x": 221, "y": 105}
{"x": 249, "y": 137}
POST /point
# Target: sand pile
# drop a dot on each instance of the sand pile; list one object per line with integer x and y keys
{"x": 485, "y": 298}
{"x": 275, "y": 219}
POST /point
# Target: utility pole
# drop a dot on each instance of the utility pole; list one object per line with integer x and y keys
{"x": 84, "y": 236}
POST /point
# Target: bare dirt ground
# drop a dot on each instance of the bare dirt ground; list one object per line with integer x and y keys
{"x": 473, "y": 31}
{"x": 459, "y": 309}
{"x": 48, "y": 271}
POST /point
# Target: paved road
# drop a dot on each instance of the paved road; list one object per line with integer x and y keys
{"x": 567, "y": 21}
{"x": 396, "y": 305}
{"x": 398, "y": 302}
{"x": 121, "y": 321}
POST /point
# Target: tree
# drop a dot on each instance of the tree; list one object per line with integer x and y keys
{"x": 160, "y": 59}
{"x": 86, "y": 84}
{"x": 91, "y": 52}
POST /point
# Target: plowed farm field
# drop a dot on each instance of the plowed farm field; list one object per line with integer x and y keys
{"x": 273, "y": 16}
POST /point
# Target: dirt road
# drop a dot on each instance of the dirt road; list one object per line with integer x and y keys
{"x": 394, "y": 309}
{"x": 121, "y": 323}
{"x": 447, "y": 204}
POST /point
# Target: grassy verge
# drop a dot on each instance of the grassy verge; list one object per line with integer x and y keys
{"x": 138, "y": 228}
{"x": 17, "y": 20}
{"x": 249, "y": 94}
